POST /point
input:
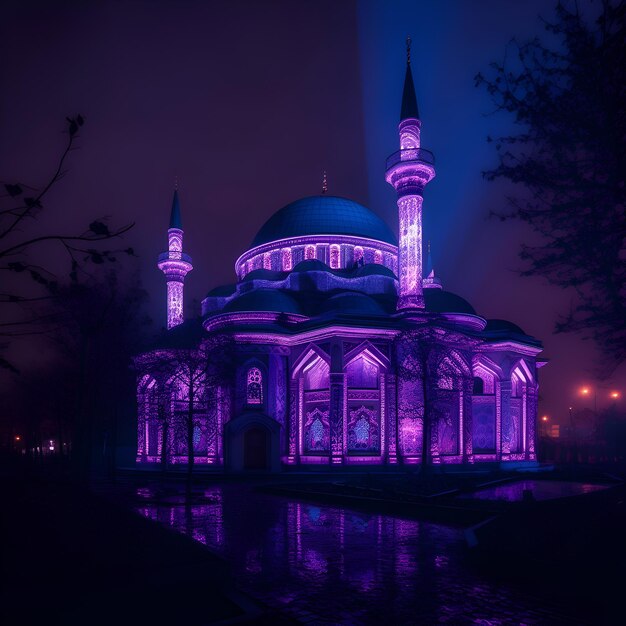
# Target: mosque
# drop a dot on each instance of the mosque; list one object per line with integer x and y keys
{"x": 343, "y": 349}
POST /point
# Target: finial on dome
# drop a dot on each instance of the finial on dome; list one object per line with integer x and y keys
{"x": 176, "y": 183}
{"x": 408, "y": 50}
{"x": 324, "y": 183}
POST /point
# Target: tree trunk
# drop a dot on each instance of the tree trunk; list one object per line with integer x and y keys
{"x": 164, "y": 443}
{"x": 190, "y": 429}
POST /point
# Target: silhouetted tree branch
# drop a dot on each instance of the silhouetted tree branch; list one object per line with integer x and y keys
{"x": 17, "y": 248}
{"x": 568, "y": 162}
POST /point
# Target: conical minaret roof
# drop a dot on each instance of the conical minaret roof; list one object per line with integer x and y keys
{"x": 176, "y": 220}
{"x": 409, "y": 101}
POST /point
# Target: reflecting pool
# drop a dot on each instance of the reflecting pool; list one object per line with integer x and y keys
{"x": 330, "y": 565}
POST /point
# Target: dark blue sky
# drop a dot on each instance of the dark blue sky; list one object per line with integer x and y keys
{"x": 247, "y": 103}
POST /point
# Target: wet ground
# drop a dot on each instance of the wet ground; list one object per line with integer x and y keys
{"x": 540, "y": 490}
{"x": 331, "y": 565}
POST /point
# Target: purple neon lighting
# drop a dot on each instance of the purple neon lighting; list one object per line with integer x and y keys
{"x": 410, "y": 130}
{"x": 254, "y": 386}
{"x": 337, "y": 251}
{"x": 410, "y": 253}
{"x": 175, "y": 265}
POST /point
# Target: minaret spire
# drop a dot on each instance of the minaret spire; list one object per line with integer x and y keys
{"x": 409, "y": 170}
{"x": 409, "y": 109}
{"x": 175, "y": 264}
{"x": 430, "y": 280}
{"x": 324, "y": 184}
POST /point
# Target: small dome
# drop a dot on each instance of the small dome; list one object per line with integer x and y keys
{"x": 353, "y": 303}
{"x": 374, "y": 269}
{"x": 263, "y": 274}
{"x": 324, "y": 215}
{"x": 311, "y": 265}
{"x": 439, "y": 301}
{"x": 263, "y": 300}
{"x": 503, "y": 326}
{"x": 221, "y": 291}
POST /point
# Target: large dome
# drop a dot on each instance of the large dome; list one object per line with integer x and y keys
{"x": 324, "y": 215}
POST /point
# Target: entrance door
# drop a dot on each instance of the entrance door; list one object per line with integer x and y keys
{"x": 255, "y": 448}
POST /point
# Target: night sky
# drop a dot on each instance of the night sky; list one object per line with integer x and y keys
{"x": 247, "y": 103}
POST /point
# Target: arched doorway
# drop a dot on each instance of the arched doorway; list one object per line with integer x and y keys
{"x": 256, "y": 443}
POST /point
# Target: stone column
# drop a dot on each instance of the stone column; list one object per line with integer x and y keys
{"x": 505, "y": 419}
{"x": 531, "y": 423}
{"x": 293, "y": 422}
{"x": 337, "y": 417}
{"x": 468, "y": 420}
{"x": 391, "y": 420}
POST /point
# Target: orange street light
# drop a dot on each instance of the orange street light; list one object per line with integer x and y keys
{"x": 585, "y": 391}
{"x": 545, "y": 418}
{"x": 615, "y": 395}
{"x": 17, "y": 438}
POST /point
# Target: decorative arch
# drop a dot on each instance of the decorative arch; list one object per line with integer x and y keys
{"x": 521, "y": 376}
{"x": 310, "y": 354}
{"x": 485, "y": 406}
{"x": 373, "y": 353}
{"x": 365, "y": 370}
{"x": 488, "y": 373}
{"x": 311, "y": 381}
{"x": 447, "y": 412}
{"x": 515, "y": 424}
{"x": 236, "y": 441}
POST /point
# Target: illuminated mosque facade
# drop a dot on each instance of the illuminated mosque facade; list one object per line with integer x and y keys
{"x": 346, "y": 350}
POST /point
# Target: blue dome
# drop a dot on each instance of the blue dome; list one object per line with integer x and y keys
{"x": 324, "y": 215}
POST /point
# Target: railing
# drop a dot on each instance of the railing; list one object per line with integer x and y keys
{"x": 174, "y": 256}
{"x": 411, "y": 154}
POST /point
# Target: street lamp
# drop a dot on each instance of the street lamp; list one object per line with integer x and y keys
{"x": 585, "y": 391}
{"x": 615, "y": 395}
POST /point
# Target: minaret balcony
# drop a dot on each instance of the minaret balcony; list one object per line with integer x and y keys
{"x": 419, "y": 155}
{"x": 409, "y": 170}
{"x": 175, "y": 256}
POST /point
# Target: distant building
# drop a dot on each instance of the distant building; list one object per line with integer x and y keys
{"x": 347, "y": 350}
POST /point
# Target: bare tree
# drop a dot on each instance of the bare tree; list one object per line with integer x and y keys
{"x": 567, "y": 163}
{"x": 19, "y": 246}
{"x": 195, "y": 366}
{"x": 417, "y": 349}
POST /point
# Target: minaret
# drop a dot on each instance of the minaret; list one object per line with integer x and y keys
{"x": 430, "y": 280}
{"x": 175, "y": 265}
{"x": 409, "y": 170}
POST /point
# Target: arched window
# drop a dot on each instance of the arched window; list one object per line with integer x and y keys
{"x": 315, "y": 407}
{"x": 286, "y": 260}
{"x": 254, "y": 386}
{"x": 479, "y": 386}
{"x": 309, "y": 252}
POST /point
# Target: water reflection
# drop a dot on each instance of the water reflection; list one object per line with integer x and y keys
{"x": 540, "y": 489}
{"x": 332, "y": 565}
